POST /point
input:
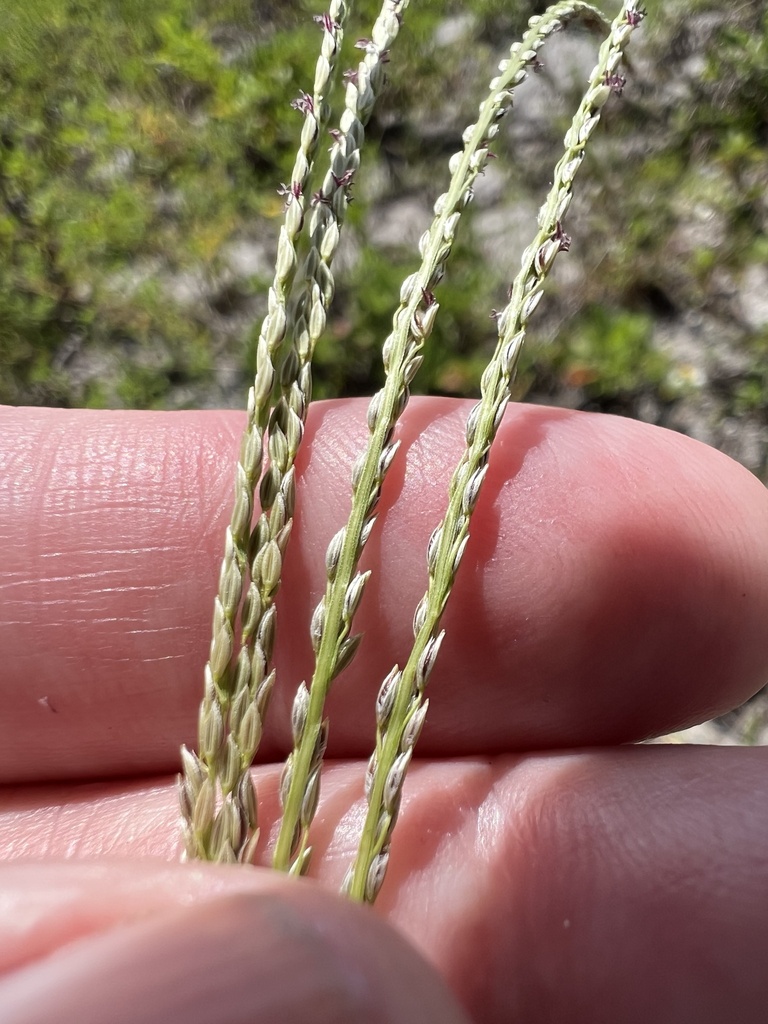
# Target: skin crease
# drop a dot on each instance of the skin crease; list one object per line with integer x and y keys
{"x": 615, "y": 586}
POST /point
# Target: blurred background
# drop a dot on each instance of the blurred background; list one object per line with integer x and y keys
{"x": 142, "y": 143}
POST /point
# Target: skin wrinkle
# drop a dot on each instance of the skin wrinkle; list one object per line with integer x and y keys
{"x": 420, "y": 471}
{"x": 548, "y": 834}
{"x": 133, "y": 550}
{"x": 526, "y": 692}
{"x": 31, "y": 469}
{"x": 568, "y": 841}
{"x": 143, "y": 593}
{"x": 324, "y": 450}
{"x": 142, "y": 817}
{"x": 475, "y": 841}
{"x": 209, "y": 460}
{"x": 654, "y": 855}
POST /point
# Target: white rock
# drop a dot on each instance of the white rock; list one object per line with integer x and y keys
{"x": 753, "y": 296}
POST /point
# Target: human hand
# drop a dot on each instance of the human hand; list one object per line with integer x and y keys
{"x": 615, "y": 586}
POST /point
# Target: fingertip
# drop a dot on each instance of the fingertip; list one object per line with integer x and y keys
{"x": 615, "y": 587}
{"x": 289, "y": 953}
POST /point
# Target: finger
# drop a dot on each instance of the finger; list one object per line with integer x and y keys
{"x": 617, "y": 885}
{"x": 615, "y": 584}
{"x": 627, "y": 885}
{"x": 256, "y": 947}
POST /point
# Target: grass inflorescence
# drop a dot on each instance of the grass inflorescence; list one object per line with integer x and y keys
{"x": 219, "y": 805}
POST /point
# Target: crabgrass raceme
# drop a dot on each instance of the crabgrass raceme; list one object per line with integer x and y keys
{"x": 400, "y": 707}
{"x": 217, "y": 798}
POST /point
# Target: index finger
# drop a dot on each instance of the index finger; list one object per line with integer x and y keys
{"x": 615, "y": 584}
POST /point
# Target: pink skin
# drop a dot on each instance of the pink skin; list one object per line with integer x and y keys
{"x": 615, "y": 586}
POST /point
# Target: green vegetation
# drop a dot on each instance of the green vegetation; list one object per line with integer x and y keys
{"x": 140, "y": 141}
{"x": 609, "y": 353}
{"x": 129, "y": 149}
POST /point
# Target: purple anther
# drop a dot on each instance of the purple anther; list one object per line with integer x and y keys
{"x": 342, "y": 181}
{"x": 635, "y": 17}
{"x": 304, "y": 103}
{"x": 327, "y": 22}
{"x": 291, "y": 192}
{"x": 563, "y": 240}
{"x": 615, "y": 83}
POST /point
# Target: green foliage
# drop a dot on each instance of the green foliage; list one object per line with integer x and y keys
{"x": 139, "y": 138}
{"x": 750, "y": 392}
{"x": 128, "y": 140}
{"x": 609, "y": 352}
